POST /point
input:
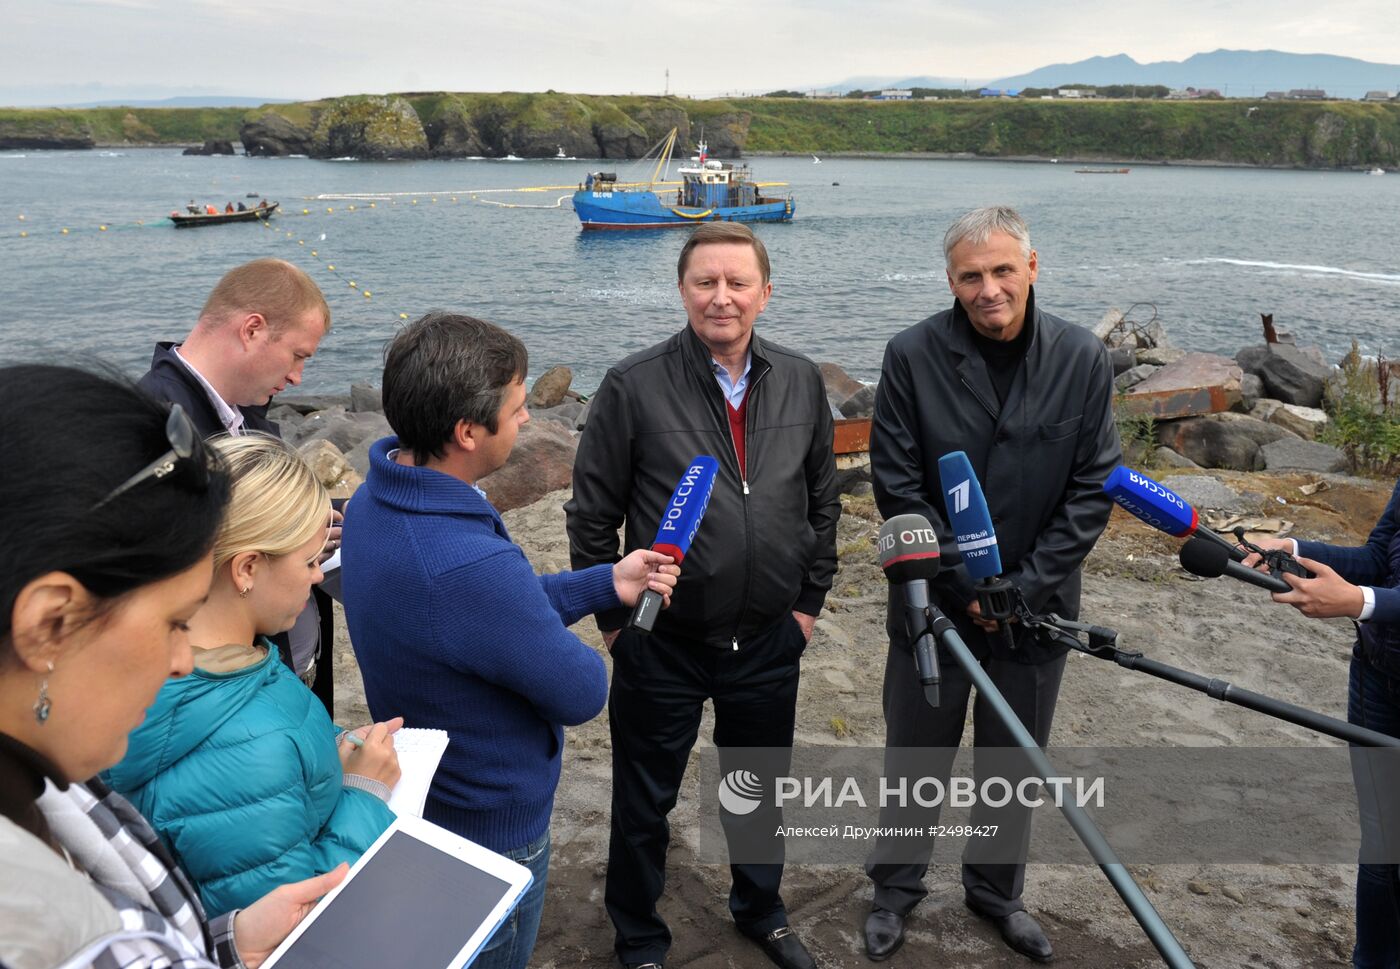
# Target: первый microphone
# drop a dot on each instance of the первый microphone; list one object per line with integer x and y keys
{"x": 676, "y": 531}
{"x": 909, "y": 556}
{"x": 1210, "y": 561}
{"x": 971, "y": 523}
{"x": 1162, "y": 508}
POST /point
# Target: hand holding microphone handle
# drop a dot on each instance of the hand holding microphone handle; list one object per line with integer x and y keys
{"x": 996, "y": 600}
{"x": 647, "y": 609}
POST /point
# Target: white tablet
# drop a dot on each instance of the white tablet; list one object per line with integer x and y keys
{"x": 420, "y": 896}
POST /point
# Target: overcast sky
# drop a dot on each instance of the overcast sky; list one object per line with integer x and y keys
{"x": 313, "y": 48}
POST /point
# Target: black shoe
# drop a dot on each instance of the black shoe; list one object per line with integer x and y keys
{"x": 785, "y": 949}
{"x": 1020, "y": 932}
{"x": 884, "y": 934}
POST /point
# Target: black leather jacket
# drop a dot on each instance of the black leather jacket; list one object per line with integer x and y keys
{"x": 1041, "y": 459}
{"x": 169, "y": 379}
{"x": 767, "y": 544}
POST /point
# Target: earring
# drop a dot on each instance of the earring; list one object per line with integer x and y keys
{"x": 243, "y": 593}
{"x": 43, "y": 706}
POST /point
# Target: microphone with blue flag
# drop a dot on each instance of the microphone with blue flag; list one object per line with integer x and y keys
{"x": 679, "y": 523}
{"x": 976, "y": 539}
{"x": 1162, "y": 508}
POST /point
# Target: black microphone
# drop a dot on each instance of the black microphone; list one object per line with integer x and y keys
{"x": 1211, "y": 560}
{"x": 909, "y": 555}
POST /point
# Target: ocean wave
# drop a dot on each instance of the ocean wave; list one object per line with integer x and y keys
{"x": 1284, "y": 268}
{"x": 14, "y": 156}
{"x": 637, "y": 297}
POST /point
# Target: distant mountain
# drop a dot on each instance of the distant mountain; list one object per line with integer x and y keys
{"x": 870, "y": 83}
{"x": 1235, "y": 73}
{"x": 100, "y": 95}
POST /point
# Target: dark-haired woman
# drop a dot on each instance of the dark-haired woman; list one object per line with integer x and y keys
{"x": 108, "y": 511}
{"x": 1363, "y": 583}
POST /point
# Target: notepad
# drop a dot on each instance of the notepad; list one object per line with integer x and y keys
{"x": 420, "y": 751}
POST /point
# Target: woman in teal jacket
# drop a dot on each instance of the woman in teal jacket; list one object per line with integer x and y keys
{"x": 237, "y": 766}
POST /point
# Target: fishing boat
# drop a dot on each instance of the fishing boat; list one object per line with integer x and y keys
{"x": 709, "y": 191}
{"x": 192, "y": 221}
{"x": 1102, "y": 171}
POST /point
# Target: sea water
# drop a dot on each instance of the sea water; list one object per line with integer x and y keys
{"x": 1208, "y": 248}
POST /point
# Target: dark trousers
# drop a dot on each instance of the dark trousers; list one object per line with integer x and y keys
{"x": 897, "y": 866}
{"x": 1373, "y": 701}
{"x": 659, "y": 688}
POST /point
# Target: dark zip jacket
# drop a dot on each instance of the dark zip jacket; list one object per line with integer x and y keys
{"x": 1041, "y": 458}
{"x": 170, "y": 380}
{"x": 767, "y": 544}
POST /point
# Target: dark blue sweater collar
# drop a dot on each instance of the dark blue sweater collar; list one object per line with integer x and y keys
{"x": 423, "y": 490}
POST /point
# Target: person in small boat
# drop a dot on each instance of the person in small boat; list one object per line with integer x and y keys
{"x": 242, "y": 207}
{"x": 262, "y": 203}
{"x": 242, "y": 744}
{"x": 210, "y": 210}
{"x": 192, "y": 208}
{"x": 228, "y": 208}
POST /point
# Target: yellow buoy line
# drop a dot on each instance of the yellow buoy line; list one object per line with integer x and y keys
{"x": 315, "y": 250}
{"x": 558, "y": 203}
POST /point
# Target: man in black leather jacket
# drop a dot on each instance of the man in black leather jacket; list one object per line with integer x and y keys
{"x": 1029, "y": 398}
{"x": 751, "y": 584}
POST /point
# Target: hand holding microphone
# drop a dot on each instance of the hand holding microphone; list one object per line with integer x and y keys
{"x": 1325, "y": 596}
{"x": 642, "y": 571}
{"x": 679, "y": 523}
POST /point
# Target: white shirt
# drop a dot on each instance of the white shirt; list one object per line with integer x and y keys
{"x": 229, "y": 416}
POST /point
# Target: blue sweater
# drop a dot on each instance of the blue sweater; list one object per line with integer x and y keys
{"x": 453, "y": 629}
{"x": 238, "y": 773}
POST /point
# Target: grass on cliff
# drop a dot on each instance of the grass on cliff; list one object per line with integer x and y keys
{"x": 153, "y": 126}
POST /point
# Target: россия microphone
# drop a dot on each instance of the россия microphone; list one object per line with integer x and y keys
{"x": 675, "y": 532}
{"x": 1209, "y": 561}
{"x": 1162, "y": 508}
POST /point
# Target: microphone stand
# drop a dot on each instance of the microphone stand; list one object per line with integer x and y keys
{"x": 1142, "y": 910}
{"x": 1103, "y": 643}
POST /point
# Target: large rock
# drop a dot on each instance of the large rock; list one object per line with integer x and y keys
{"x": 617, "y": 135}
{"x": 538, "y": 125}
{"x": 452, "y": 132}
{"x": 657, "y": 120}
{"x": 1306, "y": 422}
{"x": 369, "y": 127}
{"x": 1289, "y": 374}
{"x": 342, "y": 428}
{"x": 1220, "y": 440}
{"x": 1133, "y": 376}
{"x": 1203, "y": 491}
{"x": 1295, "y": 454}
{"x": 1251, "y": 391}
{"x": 860, "y": 404}
{"x": 331, "y": 468}
{"x": 542, "y": 461}
{"x": 310, "y": 403}
{"x": 64, "y": 130}
{"x": 1106, "y": 329}
{"x": 366, "y": 399}
{"x": 566, "y": 413}
{"x": 1123, "y": 359}
{"x": 212, "y": 147}
{"x": 1198, "y": 383}
{"x": 839, "y": 384}
{"x": 274, "y": 134}
{"x": 550, "y": 387}
{"x": 727, "y": 133}
{"x": 1264, "y": 408}
{"x": 1160, "y": 356}
{"x": 1165, "y": 457}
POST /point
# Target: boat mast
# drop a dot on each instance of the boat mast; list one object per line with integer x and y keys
{"x": 663, "y": 160}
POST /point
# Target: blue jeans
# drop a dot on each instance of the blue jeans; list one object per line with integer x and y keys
{"x": 1373, "y": 701}
{"x": 514, "y": 941}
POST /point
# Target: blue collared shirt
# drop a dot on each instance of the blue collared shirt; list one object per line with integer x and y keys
{"x": 734, "y": 390}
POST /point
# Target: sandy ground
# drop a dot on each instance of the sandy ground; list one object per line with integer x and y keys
{"x": 1278, "y": 916}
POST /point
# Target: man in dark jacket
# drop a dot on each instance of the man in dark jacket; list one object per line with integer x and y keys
{"x": 1029, "y": 397}
{"x": 751, "y": 585}
{"x": 259, "y": 327}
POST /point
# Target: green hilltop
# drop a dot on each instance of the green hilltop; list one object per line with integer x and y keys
{"x": 1311, "y": 134}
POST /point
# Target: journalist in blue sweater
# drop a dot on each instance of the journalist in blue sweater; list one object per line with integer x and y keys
{"x": 451, "y": 626}
{"x": 1363, "y": 583}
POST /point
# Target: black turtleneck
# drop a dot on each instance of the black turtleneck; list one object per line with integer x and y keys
{"x": 22, "y": 774}
{"x": 1003, "y": 358}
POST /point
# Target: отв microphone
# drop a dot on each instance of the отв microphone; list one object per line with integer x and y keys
{"x": 909, "y": 556}
{"x": 971, "y": 523}
{"x": 1210, "y": 561}
{"x": 1162, "y": 508}
{"x": 679, "y": 522}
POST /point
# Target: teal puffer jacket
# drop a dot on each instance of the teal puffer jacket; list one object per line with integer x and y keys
{"x": 239, "y": 775}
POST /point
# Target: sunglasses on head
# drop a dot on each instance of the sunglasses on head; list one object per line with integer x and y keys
{"x": 180, "y": 432}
